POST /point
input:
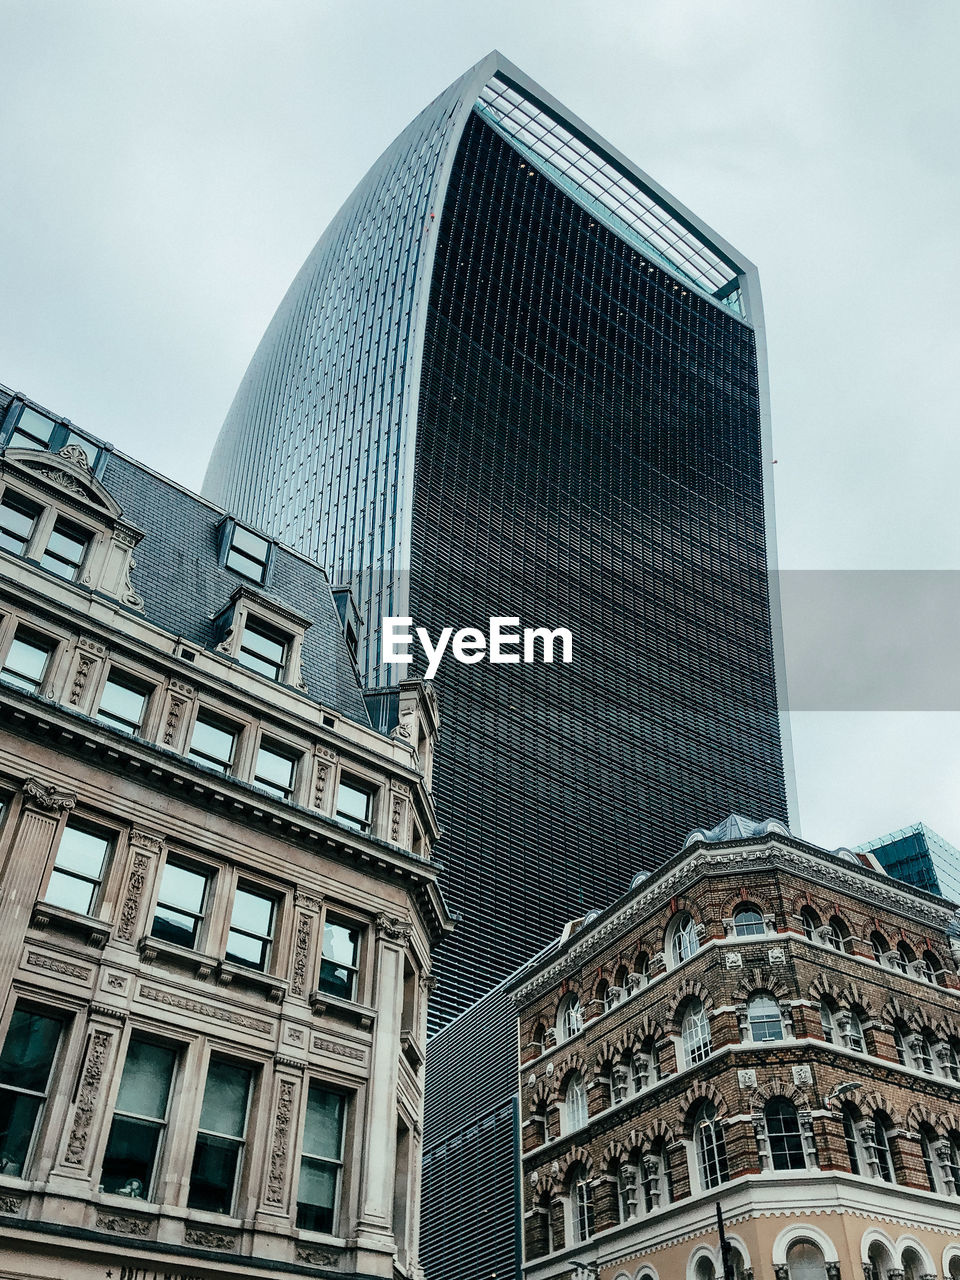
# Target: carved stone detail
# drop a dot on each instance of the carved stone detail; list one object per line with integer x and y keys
{"x": 320, "y": 1045}
{"x": 11, "y": 1204}
{"x": 209, "y": 1239}
{"x": 276, "y": 1177}
{"x": 173, "y": 1000}
{"x": 85, "y": 664}
{"x": 122, "y": 1225}
{"x": 147, "y": 840}
{"x": 173, "y": 720}
{"x": 44, "y": 795}
{"x": 87, "y": 1098}
{"x": 301, "y": 954}
{"x": 396, "y": 818}
{"x": 394, "y": 928}
{"x": 309, "y": 901}
{"x": 131, "y": 903}
{"x": 37, "y": 960}
{"x": 316, "y": 1256}
{"x": 76, "y": 454}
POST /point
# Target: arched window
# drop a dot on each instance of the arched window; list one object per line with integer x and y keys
{"x": 839, "y": 936}
{"x": 581, "y": 1204}
{"x": 878, "y": 1257}
{"x": 952, "y": 1161}
{"x": 626, "y": 1177}
{"x": 784, "y": 1134}
{"x": 763, "y": 1016}
{"x": 656, "y": 1183}
{"x": 695, "y": 1033}
{"x": 907, "y": 956}
{"x": 953, "y": 1060}
{"x": 928, "y": 1149}
{"x": 705, "y": 1270}
{"x": 826, "y": 1022}
{"x": 932, "y": 968}
{"x": 643, "y": 1066}
{"x": 748, "y": 922}
{"x": 539, "y": 1037}
{"x": 805, "y": 1261}
{"x": 851, "y": 1029}
{"x": 853, "y": 1137}
{"x": 710, "y": 1146}
{"x": 879, "y": 945}
{"x": 954, "y": 1272}
{"x": 546, "y": 1209}
{"x": 641, "y": 967}
{"x": 575, "y": 1103}
{"x": 881, "y": 1146}
{"x": 913, "y": 1264}
{"x": 569, "y": 1018}
{"x": 810, "y": 923}
{"x": 620, "y": 978}
{"x": 901, "y": 1040}
{"x": 683, "y": 938}
{"x": 925, "y": 1052}
{"x": 602, "y": 994}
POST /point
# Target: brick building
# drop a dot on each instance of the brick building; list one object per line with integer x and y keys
{"x": 760, "y": 1024}
{"x": 217, "y": 904}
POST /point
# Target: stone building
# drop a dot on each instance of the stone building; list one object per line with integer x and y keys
{"x": 760, "y": 1025}
{"x": 217, "y": 904}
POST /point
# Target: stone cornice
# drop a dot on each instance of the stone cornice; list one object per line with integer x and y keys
{"x": 740, "y": 858}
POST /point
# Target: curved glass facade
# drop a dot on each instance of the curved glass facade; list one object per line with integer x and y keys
{"x": 514, "y": 378}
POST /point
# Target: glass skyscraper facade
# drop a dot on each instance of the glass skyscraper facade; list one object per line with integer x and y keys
{"x": 515, "y": 378}
{"x": 921, "y": 857}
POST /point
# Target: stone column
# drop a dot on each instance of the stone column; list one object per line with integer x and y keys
{"x": 375, "y": 1223}
{"x": 30, "y": 848}
{"x": 279, "y": 1176}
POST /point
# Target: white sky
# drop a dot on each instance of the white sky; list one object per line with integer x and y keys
{"x": 168, "y": 166}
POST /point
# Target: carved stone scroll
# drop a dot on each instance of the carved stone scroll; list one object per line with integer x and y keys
{"x": 277, "y": 1173}
{"x": 87, "y": 1098}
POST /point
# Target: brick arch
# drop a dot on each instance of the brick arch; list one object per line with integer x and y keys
{"x": 850, "y": 995}
{"x": 684, "y": 906}
{"x": 601, "y": 978}
{"x": 941, "y": 1122}
{"x": 644, "y": 1028}
{"x": 801, "y": 900}
{"x": 566, "y": 1068}
{"x": 701, "y": 1091}
{"x": 576, "y": 1155}
{"x": 687, "y": 988}
{"x": 573, "y": 989}
{"x": 896, "y": 1011}
{"x": 778, "y": 1087}
{"x": 761, "y": 980}
{"x": 872, "y": 1100}
{"x": 947, "y": 1028}
{"x": 656, "y": 1131}
{"x": 735, "y": 900}
{"x": 614, "y": 1151}
{"x": 540, "y": 1097}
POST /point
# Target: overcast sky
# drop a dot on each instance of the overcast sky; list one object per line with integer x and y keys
{"x": 167, "y": 166}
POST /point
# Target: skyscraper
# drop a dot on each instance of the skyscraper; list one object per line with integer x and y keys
{"x": 516, "y": 378}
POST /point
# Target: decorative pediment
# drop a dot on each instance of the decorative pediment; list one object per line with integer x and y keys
{"x": 68, "y": 472}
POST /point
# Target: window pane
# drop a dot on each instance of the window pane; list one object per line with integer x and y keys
{"x": 274, "y": 770}
{"x": 212, "y": 744}
{"x": 33, "y": 431}
{"x": 250, "y": 543}
{"x": 340, "y": 943}
{"x": 353, "y": 804}
{"x": 131, "y": 1153}
{"x": 244, "y": 949}
{"x": 252, "y": 912}
{"x": 122, "y": 704}
{"x": 214, "y": 1173}
{"x": 181, "y": 887}
{"x": 26, "y": 663}
{"x": 82, "y": 851}
{"x": 323, "y": 1127}
{"x": 316, "y": 1195}
{"x": 17, "y": 522}
{"x": 145, "y": 1084}
{"x": 72, "y": 893}
{"x": 18, "y": 1117}
{"x": 225, "y": 1099}
{"x": 28, "y": 1050}
{"x": 262, "y": 651}
{"x": 65, "y": 551}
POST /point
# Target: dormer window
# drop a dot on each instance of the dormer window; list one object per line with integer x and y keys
{"x": 248, "y": 554}
{"x": 18, "y": 521}
{"x": 66, "y": 550}
{"x": 33, "y": 431}
{"x": 263, "y": 650}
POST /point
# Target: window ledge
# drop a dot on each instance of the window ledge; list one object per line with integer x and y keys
{"x": 362, "y": 1014}
{"x": 410, "y": 1049}
{"x": 272, "y": 987}
{"x": 95, "y": 932}
{"x": 153, "y": 949}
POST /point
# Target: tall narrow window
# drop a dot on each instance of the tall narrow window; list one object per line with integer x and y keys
{"x": 263, "y": 650}
{"x": 66, "y": 550}
{"x": 575, "y": 1103}
{"x": 695, "y": 1034}
{"x": 354, "y": 804}
{"x": 251, "y": 929}
{"x": 339, "y": 963}
{"x": 321, "y": 1164}
{"x": 218, "y": 1155}
{"x": 123, "y": 702}
{"x": 18, "y": 520}
{"x": 78, "y": 868}
{"x": 581, "y": 1198}
{"x": 248, "y": 554}
{"x": 711, "y": 1147}
{"x": 851, "y": 1137}
{"x": 783, "y": 1134}
{"x": 140, "y": 1120}
{"x": 181, "y": 903}
{"x": 213, "y": 743}
{"x": 570, "y": 1018}
{"x": 276, "y": 769}
{"x": 881, "y": 1146}
{"x": 685, "y": 942}
{"x": 27, "y": 661}
{"x": 25, "y": 1065}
